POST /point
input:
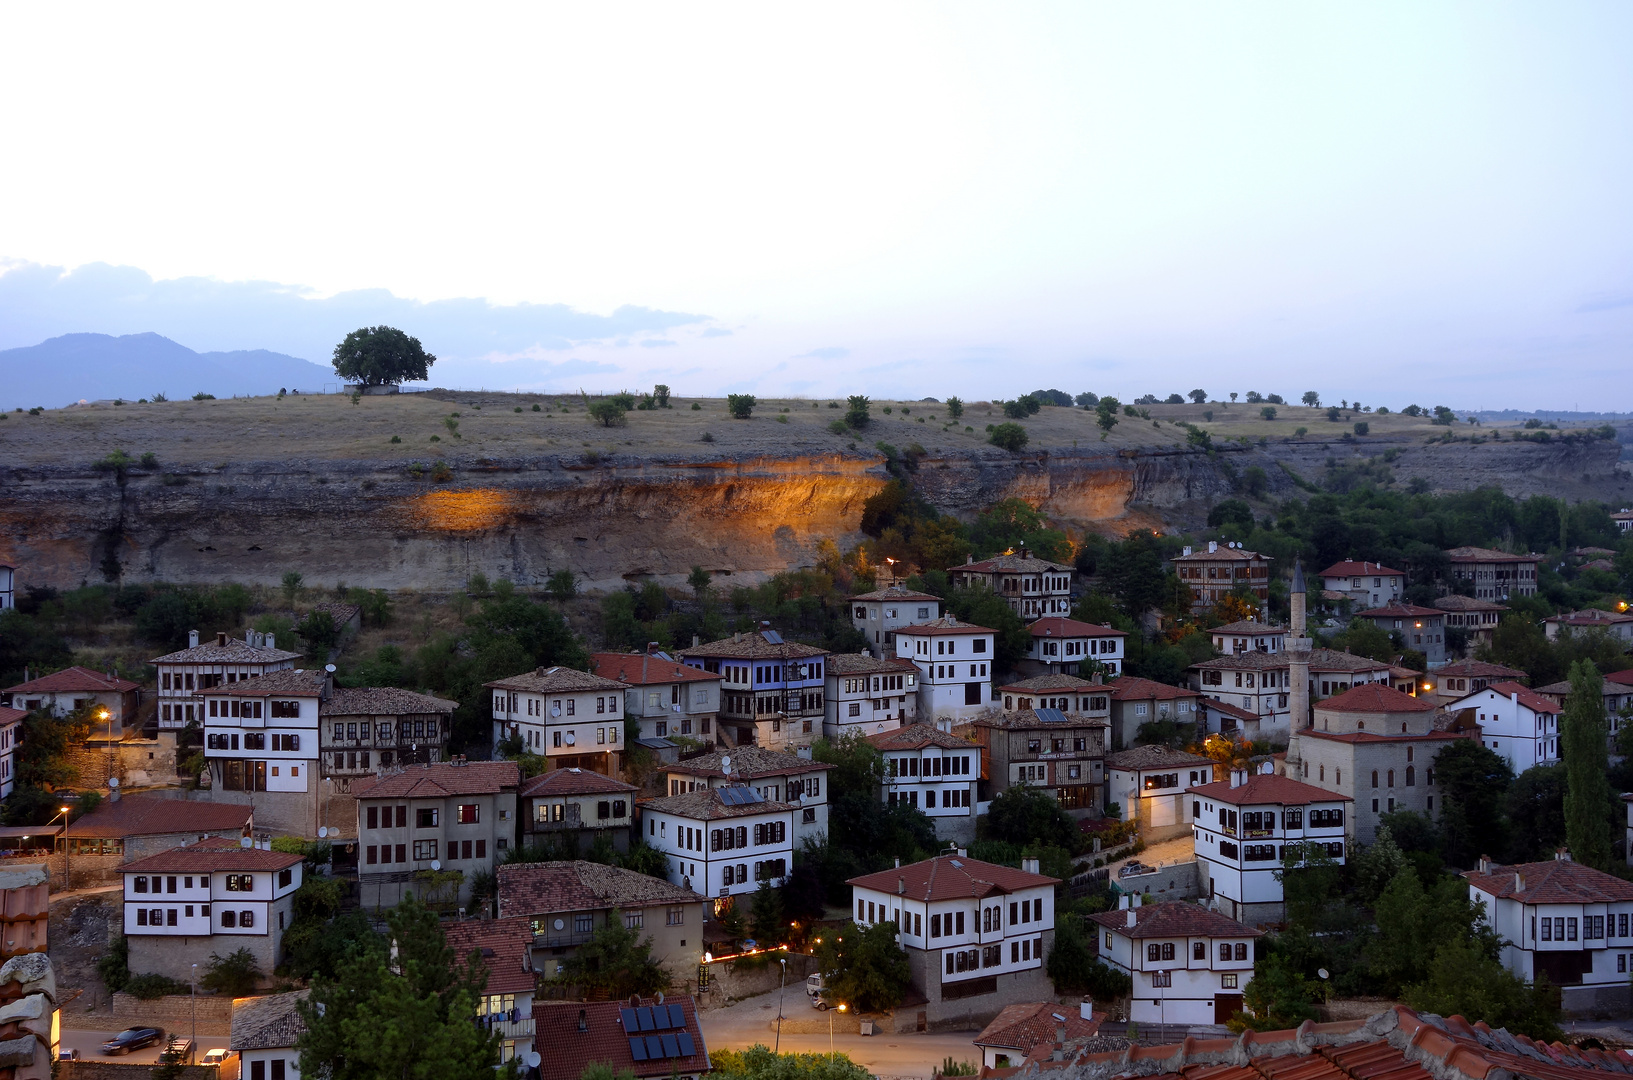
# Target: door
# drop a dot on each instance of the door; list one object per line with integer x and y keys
{"x": 1225, "y": 1006}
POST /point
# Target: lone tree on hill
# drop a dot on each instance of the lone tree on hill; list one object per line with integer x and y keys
{"x": 378, "y": 355}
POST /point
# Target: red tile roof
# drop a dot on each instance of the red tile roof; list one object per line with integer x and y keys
{"x": 1134, "y": 688}
{"x": 75, "y": 679}
{"x": 1529, "y": 698}
{"x": 951, "y": 877}
{"x": 550, "y": 887}
{"x": 1401, "y": 611}
{"x": 1623, "y": 678}
{"x": 556, "y": 680}
{"x": 865, "y": 664}
{"x": 752, "y": 646}
{"x": 1154, "y": 757}
{"x": 946, "y": 625}
{"x": 1173, "y": 919}
{"x": 1375, "y": 698}
{"x": 1011, "y": 564}
{"x": 442, "y": 779}
{"x": 917, "y": 737}
{"x": 234, "y": 651}
{"x": 1038, "y": 684}
{"x": 150, "y": 815}
{"x": 1021, "y": 1027}
{"x": 644, "y": 669}
{"x": 573, "y": 782}
{"x": 1590, "y": 617}
{"x": 289, "y": 682}
{"x": 1557, "y": 881}
{"x": 1226, "y": 554}
{"x": 1479, "y": 669}
{"x": 894, "y": 592}
{"x": 1351, "y": 568}
{"x": 707, "y": 804}
{"x": 1373, "y": 737}
{"x": 10, "y": 715}
{"x": 567, "y": 1051}
{"x": 1267, "y": 789}
{"x": 1248, "y": 627}
{"x": 383, "y": 701}
{"x": 1487, "y": 555}
{"x": 1466, "y": 603}
{"x": 748, "y": 762}
{"x": 1228, "y": 709}
{"x": 506, "y": 946}
{"x": 210, "y": 856}
{"x": 1059, "y": 627}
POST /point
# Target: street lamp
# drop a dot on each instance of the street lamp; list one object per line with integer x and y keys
{"x": 104, "y": 714}
{"x": 780, "y": 986}
{"x": 842, "y": 1008}
{"x": 67, "y": 876}
{"x": 193, "y": 1004}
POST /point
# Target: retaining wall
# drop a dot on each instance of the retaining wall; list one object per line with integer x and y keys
{"x": 1176, "y": 881}
{"x": 174, "y": 1012}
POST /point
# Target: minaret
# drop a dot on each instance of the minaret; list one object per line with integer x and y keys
{"x": 1298, "y": 673}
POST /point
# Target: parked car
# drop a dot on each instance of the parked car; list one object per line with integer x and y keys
{"x": 132, "y": 1039}
{"x": 819, "y": 1001}
{"x": 67, "y": 1053}
{"x": 215, "y": 1056}
{"x": 1134, "y": 867}
{"x": 813, "y": 983}
{"x": 177, "y": 1051}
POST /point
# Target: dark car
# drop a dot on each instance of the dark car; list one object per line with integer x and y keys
{"x": 132, "y": 1039}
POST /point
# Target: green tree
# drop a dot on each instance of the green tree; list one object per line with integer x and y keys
{"x": 377, "y": 355}
{"x": 759, "y": 1063}
{"x": 1536, "y": 813}
{"x": 1413, "y": 922}
{"x": 699, "y": 580}
{"x": 1377, "y": 865}
{"x": 1132, "y": 572}
{"x": 1268, "y": 412}
{"x": 615, "y": 961}
{"x": 1278, "y": 997}
{"x": 856, "y": 412}
{"x": 766, "y": 915}
{"x": 741, "y": 406}
{"x": 1474, "y": 783}
{"x": 1023, "y": 814}
{"x": 1105, "y": 412}
{"x": 1584, "y": 757}
{"x": 1464, "y": 980}
{"x": 400, "y": 1007}
{"x": 955, "y": 407}
{"x": 1198, "y": 396}
{"x": 236, "y": 974}
{"x": 1312, "y": 399}
{"x": 1009, "y": 436}
{"x": 1074, "y": 968}
{"x": 608, "y": 413}
{"x": 660, "y": 394}
{"x": 865, "y": 969}
{"x": 291, "y": 585}
{"x": 319, "y": 631}
{"x": 562, "y": 585}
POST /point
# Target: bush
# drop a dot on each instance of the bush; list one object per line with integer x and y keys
{"x": 235, "y": 974}
{"x": 148, "y": 987}
{"x": 114, "y": 965}
{"x": 1268, "y": 412}
{"x": 1009, "y": 436}
{"x": 839, "y": 427}
{"x": 955, "y": 407}
{"x": 856, "y": 412}
{"x": 609, "y": 413}
{"x": 741, "y": 406}
{"x": 1361, "y": 427}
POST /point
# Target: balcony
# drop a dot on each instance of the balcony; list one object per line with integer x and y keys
{"x": 514, "y": 1030}
{"x": 550, "y": 938}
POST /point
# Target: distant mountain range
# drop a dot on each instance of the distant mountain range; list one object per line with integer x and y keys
{"x": 88, "y": 367}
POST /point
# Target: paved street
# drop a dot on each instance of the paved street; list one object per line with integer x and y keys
{"x": 89, "y": 1045}
{"x": 753, "y": 1021}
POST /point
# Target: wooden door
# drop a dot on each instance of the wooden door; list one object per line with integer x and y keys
{"x": 1225, "y": 1006}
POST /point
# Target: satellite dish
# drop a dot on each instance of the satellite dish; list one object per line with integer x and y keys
{"x": 113, "y": 781}
{"x": 1322, "y": 972}
{"x": 561, "y": 924}
{"x": 555, "y": 710}
{"x": 725, "y": 764}
{"x": 532, "y": 1058}
{"x": 244, "y": 842}
{"x": 436, "y": 864}
{"x": 571, "y": 739}
{"x": 330, "y": 668}
{"x": 323, "y": 830}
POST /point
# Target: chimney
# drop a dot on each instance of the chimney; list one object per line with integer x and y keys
{"x": 272, "y": 641}
{"x": 1562, "y": 854}
{"x": 1187, "y": 550}
{"x": 1131, "y": 918}
{"x": 1213, "y": 546}
{"x": 969, "y": 560}
{"x": 898, "y": 862}
{"x": 1238, "y": 777}
{"x": 901, "y": 886}
{"x": 192, "y": 639}
{"x": 583, "y": 1020}
{"x": 1485, "y": 864}
{"x": 651, "y": 648}
{"x": 1029, "y": 866}
{"x": 221, "y": 638}
{"x": 249, "y": 637}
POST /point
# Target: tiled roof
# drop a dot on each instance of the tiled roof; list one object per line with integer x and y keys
{"x": 235, "y": 651}
{"x": 752, "y": 646}
{"x": 341, "y": 612}
{"x": 1527, "y": 697}
{"x": 1337, "y": 660}
{"x": 1435, "y": 734}
{"x": 748, "y": 762}
{"x": 1375, "y": 697}
{"x": 290, "y": 682}
{"x": 1484, "y": 555}
{"x": 209, "y": 856}
{"x": 1590, "y": 617}
{"x": 573, "y": 782}
{"x": 1400, "y": 611}
{"x": 1228, "y": 709}
{"x": 1222, "y": 554}
{"x": 442, "y": 779}
{"x": 951, "y": 877}
{"x": 707, "y": 804}
{"x": 1153, "y": 757}
{"x": 917, "y": 737}
{"x": 9, "y": 715}
{"x": 1021, "y": 1027}
{"x": 383, "y": 701}
{"x": 506, "y": 946}
{"x": 895, "y": 592}
{"x": 1623, "y": 678}
{"x": 1251, "y": 660}
{"x": 150, "y": 815}
{"x": 946, "y": 625}
{"x": 1062, "y": 681}
{"x": 1011, "y": 564}
{"x": 1248, "y": 627}
{"x": 644, "y": 669}
{"x": 1454, "y": 602}
{"x": 548, "y": 887}
{"x": 1479, "y": 669}
{"x": 1608, "y": 687}
{"x": 555, "y": 680}
{"x": 1059, "y": 627}
{"x": 1557, "y": 881}
{"x": 1260, "y": 788}
{"x": 1173, "y": 919}
{"x": 1028, "y": 719}
{"x": 267, "y": 1023}
{"x": 75, "y": 679}
{"x": 1351, "y": 568}
{"x": 1133, "y": 688}
{"x": 569, "y": 1051}
{"x": 864, "y": 664}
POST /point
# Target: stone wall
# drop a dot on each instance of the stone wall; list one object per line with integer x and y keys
{"x": 120, "y": 1070}
{"x": 175, "y": 954}
{"x": 137, "y": 762}
{"x": 734, "y": 980}
{"x": 174, "y": 1012}
{"x": 1176, "y": 881}
{"x": 955, "y": 1014}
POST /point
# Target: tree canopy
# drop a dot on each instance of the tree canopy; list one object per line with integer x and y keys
{"x": 378, "y": 355}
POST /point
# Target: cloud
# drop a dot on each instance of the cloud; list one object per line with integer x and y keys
{"x": 717, "y": 331}
{"x": 832, "y": 352}
{"x": 39, "y": 302}
{"x": 657, "y": 343}
{"x": 1606, "y": 302}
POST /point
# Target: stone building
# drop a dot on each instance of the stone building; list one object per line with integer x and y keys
{"x": 1151, "y": 784}
{"x": 1219, "y": 571}
{"x": 1060, "y": 752}
{"x": 1460, "y": 678}
{"x": 667, "y": 698}
{"x": 1364, "y": 584}
{"x": 1060, "y": 645}
{"x": 722, "y": 842}
{"x": 572, "y": 718}
{"x": 1189, "y": 965}
{"x": 955, "y": 667}
{"x": 1476, "y": 618}
{"x": 1494, "y": 575}
{"x": 1421, "y": 629}
{"x": 133, "y": 827}
{"x": 1032, "y": 587}
{"x": 777, "y": 776}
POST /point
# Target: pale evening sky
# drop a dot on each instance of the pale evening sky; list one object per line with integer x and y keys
{"x": 1385, "y": 201}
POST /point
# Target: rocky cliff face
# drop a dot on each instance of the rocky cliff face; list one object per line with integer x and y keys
{"x": 372, "y": 524}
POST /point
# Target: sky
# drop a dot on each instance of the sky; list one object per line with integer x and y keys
{"x": 1379, "y": 201}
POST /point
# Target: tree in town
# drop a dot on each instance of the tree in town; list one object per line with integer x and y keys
{"x": 1278, "y": 997}
{"x": 758, "y": 1062}
{"x": 615, "y": 962}
{"x": 1474, "y": 781}
{"x": 1414, "y": 921}
{"x": 1465, "y": 980}
{"x": 856, "y": 412}
{"x": 766, "y": 915}
{"x": 378, "y": 355}
{"x": 741, "y": 406}
{"x": 608, "y": 413}
{"x": 319, "y": 631}
{"x": 1074, "y": 968}
{"x": 1023, "y": 814}
{"x": 236, "y": 974}
{"x": 1132, "y": 572}
{"x": 1583, "y": 754}
{"x": 864, "y": 968}
{"x": 1536, "y": 812}
{"x": 400, "y": 1006}
{"x": 1009, "y": 436}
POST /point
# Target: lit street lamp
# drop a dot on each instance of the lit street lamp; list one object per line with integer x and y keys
{"x": 831, "y": 1028}
{"x": 783, "y": 960}
{"x": 67, "y": 874}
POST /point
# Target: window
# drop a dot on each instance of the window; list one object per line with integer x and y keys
{"x": 676, "y": 916}
{"x": 1241, "y": 950}
{"x": 425, "y": 850}
{"x": 632, "y": 920}
{"x": 240, "y": 882}
{"x": 246, "y": 919}
{"x": 1199, "y": 950}
{"x": 286, "y": 876}
{"x": 1162, "y": 978}
{"x": 229, "y": 919}
{"x": 470, "y": 813}
{"x": 1228, "y": 982}
{"x": 140, "y": 885}
{"x": 426, "y": 817}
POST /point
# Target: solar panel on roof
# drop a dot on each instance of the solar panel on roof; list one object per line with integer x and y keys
{"x": 644, "y": 1015}
{"x": 627, "y": 1017}
{"x": 771, "y": 636}
{"x": 687, "y": 1049}
{"x": 654, "y": 1047}
{"x": 1050, "y": 716}
{"x": 670, "y": 1047}
{"x": 637, "y": 1049}
{"x": 677, "y": 1018}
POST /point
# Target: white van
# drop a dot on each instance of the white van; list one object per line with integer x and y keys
{"x": 813, "y": 984}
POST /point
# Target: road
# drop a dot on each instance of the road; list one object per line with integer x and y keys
{"x": 752, "y": 1020}
{"x": 89, "y": 1045}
